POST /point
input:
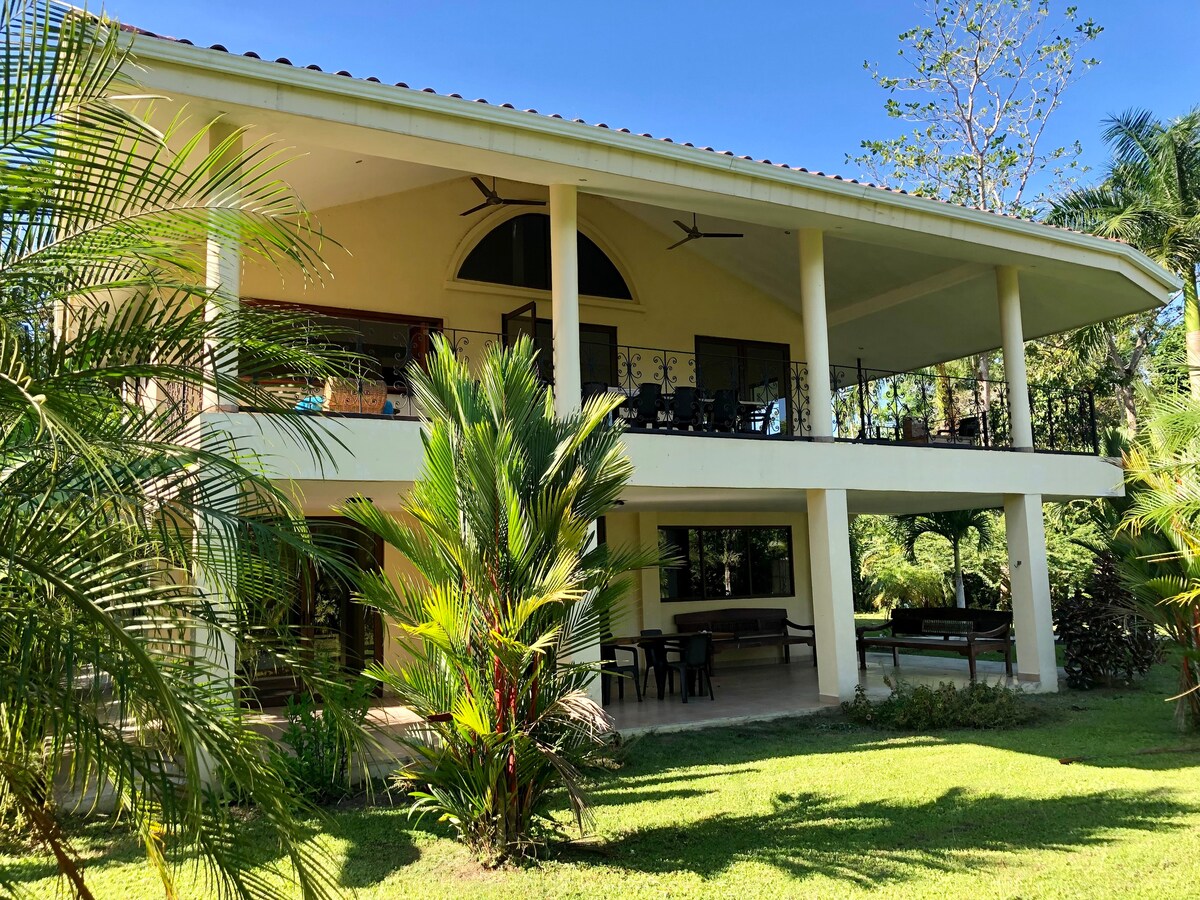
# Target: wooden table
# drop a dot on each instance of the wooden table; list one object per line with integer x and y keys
{"x": 649, "y": 640}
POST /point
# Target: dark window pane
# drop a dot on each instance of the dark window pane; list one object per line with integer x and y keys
{"x": 598, "y": 354}
{"x": 770, "y": 561}
{"x": 718, "y": 367}
{"x": 517, "y": 253}
{"x": 681, "y": 581}
{"x": 726, "y": 567}
{"x": 726, "y": 563}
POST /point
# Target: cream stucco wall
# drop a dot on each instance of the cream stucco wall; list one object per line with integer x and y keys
{"x": 646, "y": 609}
{"x": 401, "y": 253}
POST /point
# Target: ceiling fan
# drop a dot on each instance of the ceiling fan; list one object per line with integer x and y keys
{"x": 491, "y": 198}
{"x": 692, "y": 232}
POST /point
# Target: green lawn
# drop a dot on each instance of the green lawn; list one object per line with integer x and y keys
{"x": 818, "y": 808}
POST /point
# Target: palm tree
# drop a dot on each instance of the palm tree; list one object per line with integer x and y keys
{"x": 509, "y": 593}
{"x": 1150, "y": 198}
{"x": 955, "y": 526}
{"x": 114, "y": 671}
{"x": 1158, "y": 538}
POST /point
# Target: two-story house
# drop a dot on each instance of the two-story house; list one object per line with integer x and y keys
{"x": 773, "y": 328}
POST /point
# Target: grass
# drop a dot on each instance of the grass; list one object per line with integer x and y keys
{"x": 816, "y": 807}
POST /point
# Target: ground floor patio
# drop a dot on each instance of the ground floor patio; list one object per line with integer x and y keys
{"x": 756, "y": 693}
{"x": 742, "y": 694}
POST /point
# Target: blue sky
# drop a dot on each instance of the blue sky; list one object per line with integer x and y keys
{"x": 782, "y": 81}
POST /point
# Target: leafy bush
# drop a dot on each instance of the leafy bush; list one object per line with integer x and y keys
{"x": 922, "y": 708}
{"x": 1106, "y": 645}
{"x": 317, "y": 758}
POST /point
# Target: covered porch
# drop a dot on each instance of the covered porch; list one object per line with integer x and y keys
{"x": 774, "y": 691}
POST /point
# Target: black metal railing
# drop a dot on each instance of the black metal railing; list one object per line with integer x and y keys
{"x": 739, "y": 392}
{"x": 1064, "y": 420}
{"x": 383, "y": 389}
{"x": 928, "y": 407}
{"x": 918, "y": 408}
{"x": 730, "y": 393}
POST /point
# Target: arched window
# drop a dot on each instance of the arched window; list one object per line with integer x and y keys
{"x": 517, "y": 253}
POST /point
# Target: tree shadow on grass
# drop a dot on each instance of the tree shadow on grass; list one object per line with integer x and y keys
{"x": 379, "y": 842}
{"x": 878, "y": 842}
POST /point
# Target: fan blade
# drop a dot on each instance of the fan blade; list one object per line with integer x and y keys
{"x": 483, "y": 188}
{"x": 523, "y": 202}
{"x": 474, "y": 209}
{"x": 690, "y": 237}
{"x": 721, "y": 234}
{"x": 687, "y": 228}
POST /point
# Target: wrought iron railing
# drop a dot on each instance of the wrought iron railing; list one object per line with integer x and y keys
{"x": 918, "y": 407}
{"x": 741, "y": 393}
{"x": 927, "y": 407}
{"x": 384, "y": 387}
{"x": 732, "y": 393}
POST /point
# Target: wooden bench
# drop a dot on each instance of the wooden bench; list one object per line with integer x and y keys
{"x": 968, "y": 632}
{"x": 750, "y": 628}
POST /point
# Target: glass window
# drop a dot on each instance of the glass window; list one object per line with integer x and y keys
{"x": 756, "y": 370}
{"x": 517, "y": 253}
{"x": 725, "y": 563}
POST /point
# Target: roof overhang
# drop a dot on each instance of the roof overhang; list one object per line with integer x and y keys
{"x": 1068, "y": 279}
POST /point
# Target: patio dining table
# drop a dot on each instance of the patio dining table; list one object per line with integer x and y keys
{"x": 662, "y": 640}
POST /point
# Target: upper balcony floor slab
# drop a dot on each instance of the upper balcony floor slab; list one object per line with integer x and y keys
{"x": 692, "y": 471}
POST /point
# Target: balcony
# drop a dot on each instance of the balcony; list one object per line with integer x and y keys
{"x": 747, "y": 392}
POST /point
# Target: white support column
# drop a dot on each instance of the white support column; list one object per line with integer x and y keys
{"x": 592, "y": 654}
{"x": 1012, "y": 339}
{"x": 816, "y": 332}
{"x": 223, "y": 278}
{"x": 832, "y": 594}
{"x": 564, "y": 300}
{"x": 1030, "y": 579}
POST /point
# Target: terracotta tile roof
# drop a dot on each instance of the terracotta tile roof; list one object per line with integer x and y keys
{"x": 283, "y": 60}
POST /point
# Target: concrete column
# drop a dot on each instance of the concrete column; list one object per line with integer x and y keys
{"x": 564, "y": 300}
{"x": 1030, "y": 580}
{"x": 223, "y": 278}
{"x": 592, "y": 654}
{"x": 832, "y": 594}
{"x": 1012, "y": 340}
{"x": 816, "y": 332}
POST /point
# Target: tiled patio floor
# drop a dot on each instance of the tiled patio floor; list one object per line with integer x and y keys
{"x": 758, "y": 693}
{"x": 743, "y": 694}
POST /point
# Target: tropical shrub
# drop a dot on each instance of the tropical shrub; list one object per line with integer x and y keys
{"x": 314, "y": 751}
{"x": 1157, "y": 539}
{"x": 923, "y": 708}
{"x": 1105, "y": 643}
{"x": 508, "y": 599}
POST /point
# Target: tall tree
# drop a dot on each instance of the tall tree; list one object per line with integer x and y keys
{"x": 987, "y": 77}
{"x": 114, "y": 680}
{"x": 956, "y": 527}
{"x": 1150, "y": 198}
{"x": 509, "y": 591}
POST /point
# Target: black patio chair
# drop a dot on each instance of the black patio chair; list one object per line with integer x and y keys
{"x": 611, "y": 667}
{"x": 968, "y": 427}
{"x": 726, "y": 411}
{"x": 654, "y": 653}
{"x": 646, "y": 404}
{"x": 593, "y": 389}
{"x": 695, "y": 655}
{"x": 686, "y": 409}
